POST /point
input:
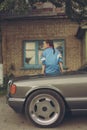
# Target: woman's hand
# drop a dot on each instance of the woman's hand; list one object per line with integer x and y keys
{"x": 68, "y": 70}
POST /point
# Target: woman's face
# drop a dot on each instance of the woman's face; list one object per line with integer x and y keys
{"x": 45, "y": 45}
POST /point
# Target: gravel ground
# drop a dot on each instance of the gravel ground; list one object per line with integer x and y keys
{"x": 9, "y": 120}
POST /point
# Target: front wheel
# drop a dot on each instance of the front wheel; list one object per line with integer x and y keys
{"x": 45, "y": 108}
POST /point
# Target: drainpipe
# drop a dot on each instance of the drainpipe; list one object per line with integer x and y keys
{"x": 1, "y": 61}
{"x": 86, "y": 43}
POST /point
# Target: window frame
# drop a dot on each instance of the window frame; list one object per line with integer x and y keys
{"x": 36, "y": 65}
{"x": 63, "y": 42}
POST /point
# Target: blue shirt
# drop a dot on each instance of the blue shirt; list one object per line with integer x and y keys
{"x": 51, "y": 61}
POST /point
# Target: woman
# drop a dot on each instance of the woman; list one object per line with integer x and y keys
{"x": 51, "y": 59}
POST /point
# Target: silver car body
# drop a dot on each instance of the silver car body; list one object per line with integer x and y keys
{"x": 71, "y": 87}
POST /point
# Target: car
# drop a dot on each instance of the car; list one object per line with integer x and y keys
{"x": 46, "y": 99}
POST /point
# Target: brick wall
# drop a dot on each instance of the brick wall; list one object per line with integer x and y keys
{"x": 14, "y": 32}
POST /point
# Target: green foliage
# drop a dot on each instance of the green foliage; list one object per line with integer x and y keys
{"x": 7, "y": 5}
{"x": 17, "y": 6}
{"x": 3, "y": 87}
{"x": 75, "y": 9}
{"x": 3, "y": 91}
{"x": 20, "y": 6}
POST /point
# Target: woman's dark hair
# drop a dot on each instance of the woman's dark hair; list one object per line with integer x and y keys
{"x": 50, "y": 42}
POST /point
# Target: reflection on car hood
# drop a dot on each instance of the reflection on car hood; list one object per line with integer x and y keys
{"x": 68, "y": 77}
{"x": 40, "y": 76}
{"x": 72, "y": 79}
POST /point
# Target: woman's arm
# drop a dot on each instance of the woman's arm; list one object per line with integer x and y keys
{"x": 61, "y": 67}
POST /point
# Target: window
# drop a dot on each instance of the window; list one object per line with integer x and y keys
{"x": 60, "y": 45}
{"x": 32, "y": 51}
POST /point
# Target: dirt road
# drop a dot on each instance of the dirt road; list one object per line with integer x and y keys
{"x": 9, "y": 120}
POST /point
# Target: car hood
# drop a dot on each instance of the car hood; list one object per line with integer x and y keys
{"x": 50, "y": 80}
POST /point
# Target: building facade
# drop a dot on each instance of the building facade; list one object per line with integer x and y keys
{"x": 22, "y": 43}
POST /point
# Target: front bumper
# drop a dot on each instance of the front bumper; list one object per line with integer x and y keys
{"x": 17, "y": 104}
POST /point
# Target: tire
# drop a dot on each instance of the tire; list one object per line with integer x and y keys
{"x": 45, "y": 108}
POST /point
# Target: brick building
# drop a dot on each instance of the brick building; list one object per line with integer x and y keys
{"x": 82, "y": 35}
{"x": 22, "y": 39}
{"x": 17, "y": 34}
